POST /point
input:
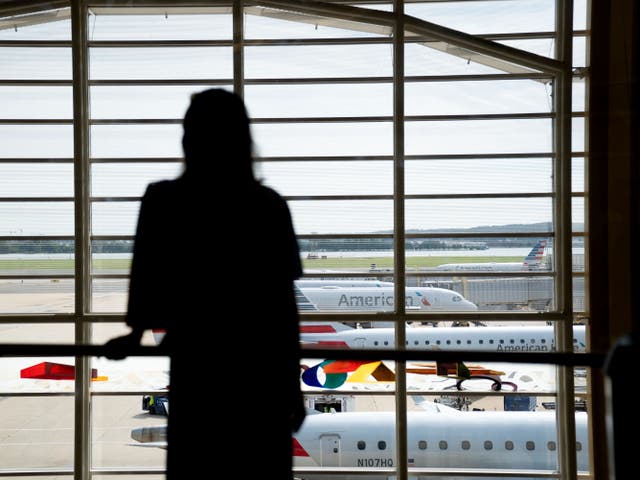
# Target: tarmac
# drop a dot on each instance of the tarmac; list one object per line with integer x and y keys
{"x": 37, "y": 415}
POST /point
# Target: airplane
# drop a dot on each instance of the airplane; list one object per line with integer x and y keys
{"x": 345, "y": 283}
{"x": 365, "y": 295}
{"x": 535, "y": 377}
{"x": 537, "y": 338}
{"x": 533, "y": 261}
{"x": 440, "y": 438}
{"x": 333, "y": 296}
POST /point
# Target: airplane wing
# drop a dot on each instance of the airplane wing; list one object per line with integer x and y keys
{"x": 149, "y": 444}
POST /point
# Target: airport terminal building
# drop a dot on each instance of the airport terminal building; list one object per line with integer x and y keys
{"x": 460, "y": 177}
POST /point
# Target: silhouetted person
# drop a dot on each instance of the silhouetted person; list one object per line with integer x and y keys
{"x": 214, "y": 261}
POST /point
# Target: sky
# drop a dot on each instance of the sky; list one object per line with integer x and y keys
{"x": 296, "y": 179}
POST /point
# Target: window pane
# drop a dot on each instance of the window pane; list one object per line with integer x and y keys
{"x": 53, "y": 141}
{"x": 328, "y": 178}
{"x": 478, "y": 176}
{"x": 577, "y": 174}
{"x": 28, "y": 333}
{"x": 33, "y": 102}
{"x": 36, "y": 180}
{"x": 109, "y": 295}
{"x": 119, "y": 218}
{"x": 578, "y": 214}
{"x": 30, "y": 296}
{"x": 488, "y": 16}
{"x": 477, "y": 137}
{"x": 577, "y": 134}
{"x": 341, "y": 216}
{"x": 321, "y": 139}
{"x": 263, "y": 23}
{"x": 160, "y": 63}
{"x": 313, "y": 61}
{"x": 328, "y": 100}
{"x": 129, "y": 180}
{"x": 467, "y": 98}
{"x": 112, "y": 445}
{"x": 51, "y": 63}
{"x": 578, "y": 95}
{"x": 426, "y": 59}
{"x": 44, "y": 25}
{"x": 170, "y": 24}
{"x": 136, "y": 141}
{"x": 476, "y": 212}
{"x": 36, "y": 218}
{"x": 38, "y": 433}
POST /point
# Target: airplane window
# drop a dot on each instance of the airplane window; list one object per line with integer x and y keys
{"x": 382, "y": 445}
{"x": 543, "y": 341}
{"x": 443, "y": 445}
{"x": 362, "y": 444}
{"x": 426, "y": 342}
{"x": 386, "y": 342}
{"x": 575, "y": 340}
{"x": 438, "y": 342}
{"x": 508, "y": 445}
{"x": 488, "y": 445}
{"x": 551, "y": 445}
{"x": 480, "y": 342}
{"x": 530, "y": 445}
{"x": 448, "y": 342}
{"x": 491, "y": 341}
{"x": 578, "y": 446}
{"x": 533, "y": 340}
{"x": 522, "y": 340}
{"x": 468, "y": 342}
{"x": 407, "y": 342}
{"x": 458, "y": 342}
{"x": 375, "y": 343}
{"x": 466, "y": 445}
{"x": 422, "y": 444}
{"x": 416, "y": 342}
{"x": 512, "y": 341}
{"x": 501, "y": 341}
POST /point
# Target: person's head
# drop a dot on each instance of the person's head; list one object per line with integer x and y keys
{"x": 217, "y": 136}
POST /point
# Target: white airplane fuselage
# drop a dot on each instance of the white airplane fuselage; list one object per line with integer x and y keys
{"x": 340, "y": 282}
{"x": 381, "y": 298}
{"x": 533, "y": 261}
{"x": 458, "y": 440}
{"x": 498, "y": 339}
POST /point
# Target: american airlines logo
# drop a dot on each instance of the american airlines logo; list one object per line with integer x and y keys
{"x": 381, "y": 300}
{"x": 522, "y": 348}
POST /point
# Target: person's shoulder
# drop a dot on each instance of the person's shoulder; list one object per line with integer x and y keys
{"x": 269, "y": 194}
{"x": 162, "y": 187}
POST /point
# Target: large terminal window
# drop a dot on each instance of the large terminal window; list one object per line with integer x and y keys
{"x": 432, "y": 154}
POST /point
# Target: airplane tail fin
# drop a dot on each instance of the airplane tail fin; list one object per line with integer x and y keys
{"x": 534, "y": 258}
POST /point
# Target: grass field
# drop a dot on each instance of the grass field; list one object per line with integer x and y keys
{"x": 61, "y": 264}
{"x": 316, "y": 263}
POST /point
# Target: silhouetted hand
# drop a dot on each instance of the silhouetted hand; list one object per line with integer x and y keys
{"x": 121, "y": 346}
